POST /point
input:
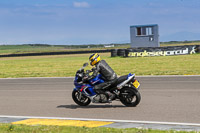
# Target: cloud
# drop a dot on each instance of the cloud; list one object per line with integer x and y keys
{"x": 81, "y": 4}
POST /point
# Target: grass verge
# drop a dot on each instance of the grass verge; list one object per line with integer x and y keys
{"x": 41, "y": 48}
{"x": 8, "y": 128}
{"x": 67, "y": 65}
{"x": 20, "y": 49}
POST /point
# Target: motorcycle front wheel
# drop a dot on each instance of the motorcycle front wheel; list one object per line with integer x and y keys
{"x": 79, "y": 99}
{"x": 130, "y": 97}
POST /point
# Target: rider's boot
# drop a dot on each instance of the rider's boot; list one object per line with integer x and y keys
{"x": 111, "y": 96}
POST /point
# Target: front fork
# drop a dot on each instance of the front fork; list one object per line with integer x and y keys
{"x": 79, "y": 95}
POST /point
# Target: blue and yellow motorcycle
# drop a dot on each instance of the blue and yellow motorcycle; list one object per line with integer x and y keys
{"x": 126, "y": 89}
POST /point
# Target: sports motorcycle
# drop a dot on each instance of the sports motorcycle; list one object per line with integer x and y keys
{"x": 126, "y": 89}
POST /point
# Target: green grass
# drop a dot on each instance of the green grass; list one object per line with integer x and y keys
{"x": 181, "y": 42}
{"x": 8, "y": 128}
{"x": 67, "y": 65}
{"x": 39, "y": 48}
{"x": 165, "y": 44}
{"x": 15, "y": 49}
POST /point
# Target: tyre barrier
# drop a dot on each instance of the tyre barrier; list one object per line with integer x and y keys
{"x": 198, "y": 49}
{"x": 113, "y": 52}
{"x": 57, "y": 53}
{"x": 121, "y": 52}
{"x": 156, "y": 51}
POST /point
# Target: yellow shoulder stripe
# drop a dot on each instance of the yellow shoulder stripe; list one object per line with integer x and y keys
{"x": 62, "y": 122}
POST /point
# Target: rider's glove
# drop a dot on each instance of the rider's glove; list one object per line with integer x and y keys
{"x": 85, "y": 78}
{"x": 93, "y": 69}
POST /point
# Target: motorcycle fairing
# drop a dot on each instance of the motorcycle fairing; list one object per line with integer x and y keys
{"x": 86, "y": 89}
{"x": 96, "y": 80}
{"x": 129, "y": 77}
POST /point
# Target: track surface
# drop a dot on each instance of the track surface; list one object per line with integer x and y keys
{"x": 166, "y": 99}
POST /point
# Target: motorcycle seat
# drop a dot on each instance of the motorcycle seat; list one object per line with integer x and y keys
{"x": 121, "y": 79}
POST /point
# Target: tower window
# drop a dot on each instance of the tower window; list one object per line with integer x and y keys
{"x": 144, "y": 31}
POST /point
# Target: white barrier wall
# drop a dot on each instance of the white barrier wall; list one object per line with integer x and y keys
{"x": 158, "y": 51}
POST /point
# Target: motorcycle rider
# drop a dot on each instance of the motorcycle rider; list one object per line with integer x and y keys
{"x": 106, "y": 71}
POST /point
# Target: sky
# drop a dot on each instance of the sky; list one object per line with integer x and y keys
{"x": 71, "y": 22}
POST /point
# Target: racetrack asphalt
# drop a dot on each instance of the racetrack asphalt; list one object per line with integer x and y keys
{"x": 164, "y": 99}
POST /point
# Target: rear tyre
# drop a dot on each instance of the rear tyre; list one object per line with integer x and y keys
{"x": 82, "y": 101}
{"x": 130, "y": 97}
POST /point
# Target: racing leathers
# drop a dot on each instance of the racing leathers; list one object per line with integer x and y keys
{"x": 107, "y": 73}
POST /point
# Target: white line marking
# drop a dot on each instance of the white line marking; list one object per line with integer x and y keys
{"x": 108, "y": 120}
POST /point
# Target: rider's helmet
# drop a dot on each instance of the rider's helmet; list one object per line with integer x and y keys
{"x": 94, "y": 59}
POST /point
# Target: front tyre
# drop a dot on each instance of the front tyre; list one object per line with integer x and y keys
{"x": 130, "y": 97}
{"x": 81, "y": 100}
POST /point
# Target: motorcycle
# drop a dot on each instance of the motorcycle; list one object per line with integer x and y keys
{"x": 126, "y": 89}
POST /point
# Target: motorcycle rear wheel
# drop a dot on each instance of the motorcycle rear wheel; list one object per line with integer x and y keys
{"x": 130, "y": 97}
{"x": 82, "y": 101}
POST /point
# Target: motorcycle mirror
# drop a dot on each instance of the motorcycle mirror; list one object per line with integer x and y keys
{"x": 85, "y": 64}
